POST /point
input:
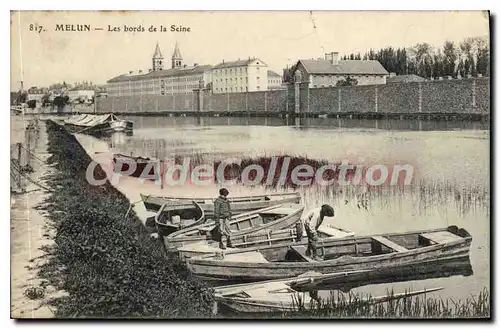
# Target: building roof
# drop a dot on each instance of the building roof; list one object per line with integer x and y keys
{"x": 237, "y": 63}
{"x": 157, "y": 52}
{"x": 359, "y": 67}
{"x": 177, "y": 52}
{"x": 184, "y": 71}
{"x": 272, "y": 74}
{"x": 405, "y": 78}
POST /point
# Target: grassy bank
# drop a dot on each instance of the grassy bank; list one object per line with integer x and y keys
{"x": 106, "y": 262}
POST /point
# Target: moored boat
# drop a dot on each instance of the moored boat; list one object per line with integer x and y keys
{"x": 174, "y": 216}
{"x": 288, "y": 295}
{"x": 238, "y": 204}
{"x": 242, "y": 226}
{"x": 144, "y": 167}
{"x": 261, "y": 238}
{"x": 339, "y": 255}
{"x": 97, "y": 124}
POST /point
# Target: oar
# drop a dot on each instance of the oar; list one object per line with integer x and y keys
{"x": 383, "y": 299}
{"x": 232, "y": 289}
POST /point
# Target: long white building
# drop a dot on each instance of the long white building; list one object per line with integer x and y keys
{"x": 179, "y": 79}
{"x": 239, "y": 76}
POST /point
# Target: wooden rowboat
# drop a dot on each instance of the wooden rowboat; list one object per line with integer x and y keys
{"x": 144, "y": 167}
{"x": 339, "y": 255}
{"x": 264, "y": 238}
{"x": 174, "y": 216}
{"x": 242, "y": 226}
{"x": 238, "y": 204}
{"x": 287, "y": 295}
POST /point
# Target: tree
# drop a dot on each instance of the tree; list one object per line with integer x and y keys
{"x": 348, "y": 81}
{"x": 31, "y": 103}
{"x": 450, "y": 58}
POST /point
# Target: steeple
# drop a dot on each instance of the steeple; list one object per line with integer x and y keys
{"x": 157, "y": 59}
{"x": 176, "y": 57}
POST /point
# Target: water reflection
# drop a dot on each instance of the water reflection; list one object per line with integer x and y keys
{"x": 331, "y": 123}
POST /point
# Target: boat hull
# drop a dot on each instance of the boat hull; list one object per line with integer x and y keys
{"x": 255, "y": 267}
{"x": 144, "y": 168}
{"x": 97, "y": 124}
{"x": 192, "y": 210}
{"x": 240, "y": 234}
{"x": 259, "y": 239}
{"x": 238, "y": 205}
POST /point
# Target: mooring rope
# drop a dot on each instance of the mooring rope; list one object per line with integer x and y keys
{"x": 19, "y": 171}
{"x": 33, "y": 155}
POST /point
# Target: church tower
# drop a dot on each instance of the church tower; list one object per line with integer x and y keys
{"x": 176, "y": 57}
{"x": 157, "y": 59}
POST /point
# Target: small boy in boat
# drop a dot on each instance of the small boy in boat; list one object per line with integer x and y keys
{"x": 312, "y": 222}
{"x": 222, "y": 215}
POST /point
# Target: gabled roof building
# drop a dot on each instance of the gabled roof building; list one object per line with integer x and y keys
{"x": 329, "y": 71}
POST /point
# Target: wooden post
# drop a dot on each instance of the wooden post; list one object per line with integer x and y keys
{"x": 28, "y": 148}
{"x": 265, "y": 101}
{"x": 376, "y": 99}
{"x": 19, "y": 176}
{"x": 19, "y": 146}
{"x": 161, "y": 173}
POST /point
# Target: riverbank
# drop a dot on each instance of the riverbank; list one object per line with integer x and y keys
{"x": 104, "y": 259}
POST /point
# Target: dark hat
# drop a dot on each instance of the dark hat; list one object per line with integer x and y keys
{"x": 224, "y": 192}
{"x": 327, "y": 210}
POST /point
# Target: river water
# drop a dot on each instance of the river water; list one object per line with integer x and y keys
{"x": 450, "y": 183}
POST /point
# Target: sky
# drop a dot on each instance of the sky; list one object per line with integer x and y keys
{"x": 278, "y": 38}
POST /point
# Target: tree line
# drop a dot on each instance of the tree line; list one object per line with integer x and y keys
{"x": 471, "y": 56}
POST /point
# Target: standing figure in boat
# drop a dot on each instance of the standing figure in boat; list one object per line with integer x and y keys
{"x": 222, "y": 215}
{"x": 312, "y": 222}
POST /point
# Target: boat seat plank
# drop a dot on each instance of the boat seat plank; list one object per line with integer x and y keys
{"x": 388, "y": 243}
{"x": 301, "y": 251}
{"x": 246, "y": 257}
{"x": 441, "y": 237}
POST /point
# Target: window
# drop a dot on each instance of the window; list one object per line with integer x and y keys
{"x": 258, "y": 69}
{"x": 258, "y": 87}
{"x": 258, "y": 78}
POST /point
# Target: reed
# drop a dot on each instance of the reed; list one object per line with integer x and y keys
{"x": 356, "y": 305}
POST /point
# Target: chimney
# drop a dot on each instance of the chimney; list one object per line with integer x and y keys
{"x": 332, "y": 57}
